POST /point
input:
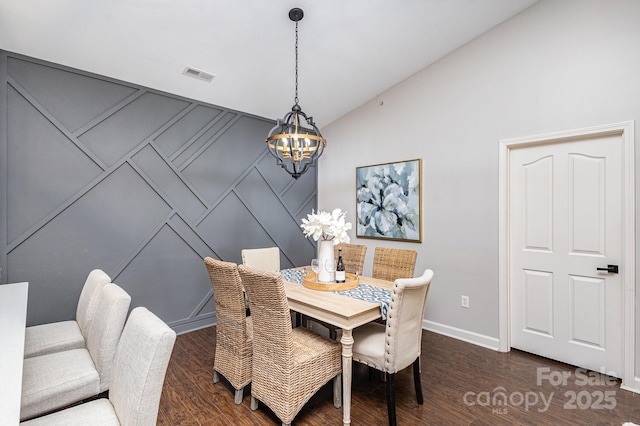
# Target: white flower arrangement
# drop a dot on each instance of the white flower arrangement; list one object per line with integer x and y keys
{"x": 327, "y": 226}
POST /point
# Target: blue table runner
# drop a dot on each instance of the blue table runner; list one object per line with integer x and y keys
{"x": 366, "y": 292}
{"x": 293, "y": 275}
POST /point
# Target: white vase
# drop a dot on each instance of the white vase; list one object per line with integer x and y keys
{"x": 325, "y": 253}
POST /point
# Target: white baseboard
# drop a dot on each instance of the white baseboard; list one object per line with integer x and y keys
{"x": 634, "y": 386}
{"x": 493, "y": 343}
{"x": 464, "y": 335}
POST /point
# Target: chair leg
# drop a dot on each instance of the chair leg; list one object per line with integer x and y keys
{"x": 333, "y": 334}
{"x": 254, "y": 403}
{"x": 391, "y": 398}
{"x": 238, "y": 397}
{"x": 337, "y": 391}
{"x": 417, "y": 381}
{"x": 216, "y": 376}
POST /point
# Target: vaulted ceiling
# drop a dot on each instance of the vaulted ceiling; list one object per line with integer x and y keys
{"x": 349, "y": 50}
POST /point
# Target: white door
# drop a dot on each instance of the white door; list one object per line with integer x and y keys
{"x": 565, "y": 221}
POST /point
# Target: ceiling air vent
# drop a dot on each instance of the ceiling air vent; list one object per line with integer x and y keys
{"x": 199, "y": 74}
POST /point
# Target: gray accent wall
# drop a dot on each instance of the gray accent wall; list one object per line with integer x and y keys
{"x": 99, "y": 173}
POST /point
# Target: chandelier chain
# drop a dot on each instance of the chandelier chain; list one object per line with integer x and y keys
{"x": 295, "y": 140}
{"x": 296, "y": 98}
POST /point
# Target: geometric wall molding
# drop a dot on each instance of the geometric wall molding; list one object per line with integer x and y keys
{"x": 100, "y": 173}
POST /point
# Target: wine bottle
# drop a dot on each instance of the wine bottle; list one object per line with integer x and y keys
{"x": 340, "y": 274}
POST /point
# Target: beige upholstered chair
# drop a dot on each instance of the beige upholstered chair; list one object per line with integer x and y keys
{"x": 265, "y": 259}
{"x": 64, "y": 335}
{"x": 138, "y": 375}
{"x": 234, "y": 331}
{"x": 289, "y": 365}
{"x": 391, "y": 263}
{"x": 395, "y": 346}
{"x": 352, "y": 256}
{"x": 59, "y": 379}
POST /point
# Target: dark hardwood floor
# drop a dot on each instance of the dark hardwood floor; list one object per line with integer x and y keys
{"x": 463, "y": 384}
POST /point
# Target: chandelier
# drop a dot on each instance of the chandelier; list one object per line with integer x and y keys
{"x": 295, "y": 140}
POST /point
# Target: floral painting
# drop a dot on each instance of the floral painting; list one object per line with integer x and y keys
{"x": 388, "y": 201}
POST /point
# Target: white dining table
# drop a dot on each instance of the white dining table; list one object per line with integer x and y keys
{"x": 341, "y": 311}
{"x": 13, "y": 319}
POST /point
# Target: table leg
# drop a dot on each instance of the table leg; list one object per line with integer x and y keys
{"x": 347, "y": 357}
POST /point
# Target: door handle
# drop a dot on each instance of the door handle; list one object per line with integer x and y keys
{"x": 612, "y": 269}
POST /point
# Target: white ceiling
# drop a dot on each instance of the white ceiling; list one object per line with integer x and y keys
{"x": 350, "y": 50}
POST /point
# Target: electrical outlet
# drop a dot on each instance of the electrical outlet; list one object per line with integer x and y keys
{"x": 464, "y": 301}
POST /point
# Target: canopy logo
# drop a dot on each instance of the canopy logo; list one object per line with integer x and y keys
{"x": 499, "y": 399}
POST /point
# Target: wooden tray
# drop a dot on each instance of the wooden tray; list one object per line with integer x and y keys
{"x": 351, "y": 281}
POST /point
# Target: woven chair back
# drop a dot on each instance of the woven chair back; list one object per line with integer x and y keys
{"x": 233, "y": 328}
{"x": 272, "y": 341}
{"x": 289, "y": 365}
{"x": 391, "y": 263}
{"x": 227, "y": 291}
{"x": 352, "y": 256}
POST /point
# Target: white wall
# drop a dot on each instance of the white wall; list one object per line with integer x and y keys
{"x": 559, "y": 65}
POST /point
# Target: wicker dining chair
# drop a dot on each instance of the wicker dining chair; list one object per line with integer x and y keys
{"x": 289, "y": 364}
{"x": 391, "y": 263}
{"x": 394, "y": 346}
{"x": 352, "y": 256}
{"x": 234, "y": 330}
